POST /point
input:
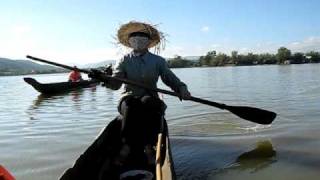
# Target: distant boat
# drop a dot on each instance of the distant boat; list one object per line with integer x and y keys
{"x": 59, "y": 87}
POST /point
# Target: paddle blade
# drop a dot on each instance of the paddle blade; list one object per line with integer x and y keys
{"x": 252, "y": 114}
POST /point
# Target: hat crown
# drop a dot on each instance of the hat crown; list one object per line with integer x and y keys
{"x": 135, "y": 27}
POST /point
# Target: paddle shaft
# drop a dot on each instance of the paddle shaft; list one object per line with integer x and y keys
{"x": 126, "y": 81}
{"x": 253, "y": 114}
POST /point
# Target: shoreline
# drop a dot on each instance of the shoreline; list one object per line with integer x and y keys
{"x": 229, "y": 65}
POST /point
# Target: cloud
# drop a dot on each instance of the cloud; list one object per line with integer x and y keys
{"x": 186, "y": 50}
{"x": 172, "y": 50}
{"x": 16, "y": 41}
{"x": 79, "y": 56}
{"x": 205, "y": 29}
{"x": 20, "y": 29}
{"x": 19, "y": 40}
{"x": 308, "y": 44}
{"x": 18, "y": 50}
{"x": 216, "y": 45}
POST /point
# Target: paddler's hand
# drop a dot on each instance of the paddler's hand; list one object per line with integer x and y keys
{"x": 95, "y": 74}
{"x": 184, "y": 94}
{"x": 108, "y": 70}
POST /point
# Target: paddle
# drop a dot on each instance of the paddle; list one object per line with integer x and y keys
{"x": 252, "y": 114}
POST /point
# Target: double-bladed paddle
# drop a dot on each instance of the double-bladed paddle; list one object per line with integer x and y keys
{"x": 252, "y": 114}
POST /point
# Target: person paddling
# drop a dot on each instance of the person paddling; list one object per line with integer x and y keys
{"x": 75, "y": 75}
{"x": 141, "y": 110}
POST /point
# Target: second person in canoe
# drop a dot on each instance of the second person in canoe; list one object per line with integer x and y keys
{"x": 75, "y": 75}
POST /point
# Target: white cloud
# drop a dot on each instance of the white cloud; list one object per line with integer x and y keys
{"x": 15, "y": 41}
{"x": 205, "y": 29}
{"x": 173, "y": 50}
{"x": 20, "y": 29}
{"x": 19, "y": 41}
{"x": 309, "y": 44}
{"x": 216, "y": 45}
{"x": 79, "y": 56}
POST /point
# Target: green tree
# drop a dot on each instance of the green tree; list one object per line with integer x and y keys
{"x": 179, "y": 62}
{"x": 283, "y": 55}
{"x": 248, "y": 59}
{"x": 220, "y": 60}
{"x": 208, "y": 58}
{"x": 253, "y": 58}
{"x": 298, "y": 58}
{"x": 234, "y": 57}
{"x": 267, "y": 58}
{"x": 313, "y": 57}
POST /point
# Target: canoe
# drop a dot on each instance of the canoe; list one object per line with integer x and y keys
{"x": 60, "y": 87}
{"x": 5, "y": 174}
{"x": 98, "y": 161}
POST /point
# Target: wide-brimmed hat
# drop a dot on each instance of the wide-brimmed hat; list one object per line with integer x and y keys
{"x": 133, "y": 26}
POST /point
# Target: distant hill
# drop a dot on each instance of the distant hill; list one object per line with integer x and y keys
{"x": 189, "y": 58}
{"x": 192, "y": 58}
{"x": 113, "y": 62}
{"x": 19, "y": 67}
{"x": 99, "y": 64}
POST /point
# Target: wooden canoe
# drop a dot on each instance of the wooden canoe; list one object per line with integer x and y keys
{"x": 60, "y": 87}
{"x": 96, "y": 163}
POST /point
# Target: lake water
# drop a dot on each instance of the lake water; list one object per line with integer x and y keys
{"x": 42, "y": 136}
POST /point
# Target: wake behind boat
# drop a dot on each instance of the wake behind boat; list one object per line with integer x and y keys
{"x": 59, "y": 87}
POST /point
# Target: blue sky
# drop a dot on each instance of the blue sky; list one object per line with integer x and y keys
{"x": 82, "y": 31}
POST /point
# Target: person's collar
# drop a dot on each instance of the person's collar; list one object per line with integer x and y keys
{"x": 137, "y": 54}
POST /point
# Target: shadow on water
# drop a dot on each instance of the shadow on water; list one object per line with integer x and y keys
{"x": 49, "y": 102}
{"x": 43, "y": 99}
{"x": 257, "y": 159}
{"x": 69, "y": 101}
{"x": 205, "y": 159}
{"x": 39, "y": 103}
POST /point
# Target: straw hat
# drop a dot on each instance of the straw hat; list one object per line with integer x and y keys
{"x": 133, "y": 26}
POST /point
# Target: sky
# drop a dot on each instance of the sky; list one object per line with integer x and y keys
{"x": 82, "y": 31}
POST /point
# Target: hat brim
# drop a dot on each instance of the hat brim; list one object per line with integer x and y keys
{"x": 131, "y": 27}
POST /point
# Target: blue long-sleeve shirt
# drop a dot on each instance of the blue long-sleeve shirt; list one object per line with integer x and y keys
{"x": 145, "y": 69}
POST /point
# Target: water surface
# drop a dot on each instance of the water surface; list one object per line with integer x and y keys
{"x": 42, "y": 136}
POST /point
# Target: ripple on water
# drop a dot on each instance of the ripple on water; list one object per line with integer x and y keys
{"x": 212, "y": 124}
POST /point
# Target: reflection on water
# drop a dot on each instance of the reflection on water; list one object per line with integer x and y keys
{"x": 257, "y": 159}
{"x": 75, "y": 95}
{"x": 43, "y": 99}
{"x": 206, "y": 159}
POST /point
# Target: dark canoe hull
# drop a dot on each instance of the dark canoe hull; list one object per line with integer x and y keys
{"x": 92, "y": 163}
{"x": 61, "y": 87}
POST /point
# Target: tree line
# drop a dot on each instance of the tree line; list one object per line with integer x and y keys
{"x": 212, "y": 58}
{"x": 15, "y": 72}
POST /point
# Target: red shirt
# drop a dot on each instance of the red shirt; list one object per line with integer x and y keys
{"x": 75, "y": 76}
